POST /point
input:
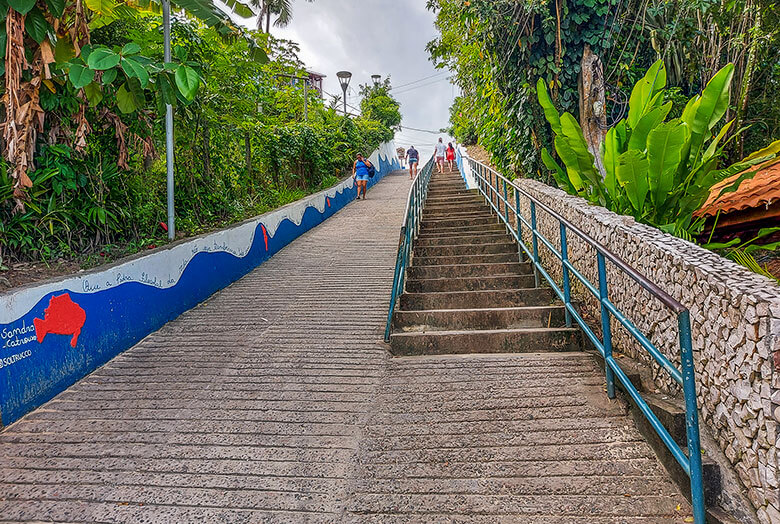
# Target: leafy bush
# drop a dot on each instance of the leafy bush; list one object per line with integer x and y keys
{"x": 656, "y": 170}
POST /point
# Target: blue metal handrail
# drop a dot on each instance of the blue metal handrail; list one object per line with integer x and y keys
{"x": 409, "y": 231}
{"x": 494, "y": 187}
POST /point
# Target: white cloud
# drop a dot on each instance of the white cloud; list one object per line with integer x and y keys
{"x": 385, "y": 37}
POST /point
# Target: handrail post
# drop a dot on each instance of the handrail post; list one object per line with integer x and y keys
{"x": 691, "y": 417}
{"x": 535, "y": 243}
{"x": 519, "y": 226}
{"x": 566, "y": 284}
{"x": 606, "y": 328}
{"x": 506, "y": 206}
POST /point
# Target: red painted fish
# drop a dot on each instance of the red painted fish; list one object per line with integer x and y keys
{"x": 62, "y": 317}
{"x": 265, "y": 236}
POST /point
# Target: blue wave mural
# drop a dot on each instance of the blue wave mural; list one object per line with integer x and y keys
{"x": 54, "y": 334}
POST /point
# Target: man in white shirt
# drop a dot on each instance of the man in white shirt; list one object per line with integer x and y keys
{"x": 441, "y": 153}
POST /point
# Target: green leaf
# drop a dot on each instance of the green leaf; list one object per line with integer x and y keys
{"x": 102, "y": 7}
{"x": 36, "y": 25}
{"x": 714, "y": 143}
{"x": 108, "y": 76}
{"x": 710, "y": 107}
{"x": 550, "y": 113}
{"x": 102, "y": 58}
{"x": 167, "y": 91}
{"x": 771, "y": 149}
{"x": 648, "y": 122}
{"x": 665, "y": 145}
{"x": 560, "y": 176}
{"x": 613, "y": 148}
{"x": 722, "y": 245}
{"x": 80, "y": 76}
{"x": 644, "y": 92}
{"x": 631, "y": 172}
{"x": 21, "y": 6}
{"x": 135, "y": 70}
{"x": 94, "y": 94}
{"x": 130, "y": 48}
{"x": 64, "y": 50}
{"x": 56, "y": 7}
{"x": 187, "y": 81}
{"x": 130, "y": 96}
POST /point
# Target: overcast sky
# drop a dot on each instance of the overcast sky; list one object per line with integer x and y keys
{"x": 385, "y": 37}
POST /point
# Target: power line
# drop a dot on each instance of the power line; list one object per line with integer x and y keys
{"x": 420, "y": 80}
{"x": 421, "y": 130}
{"x": 408, "y": 89}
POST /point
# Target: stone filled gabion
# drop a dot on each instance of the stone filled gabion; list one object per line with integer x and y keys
{"x": 735, "y": 324}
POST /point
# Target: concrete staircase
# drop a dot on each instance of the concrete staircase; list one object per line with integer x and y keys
{"x": 466, "y": 291}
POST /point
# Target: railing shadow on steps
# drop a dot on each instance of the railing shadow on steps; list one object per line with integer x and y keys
{"x": 497, "y": 189}
{"x": 409, "y": 230}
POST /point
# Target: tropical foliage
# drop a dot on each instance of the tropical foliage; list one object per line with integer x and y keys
{"x": 498, "y": 49}
{"x": 656, "y": 169}
{"x": 242, "y": 145}
{"x": 377, "y": 104}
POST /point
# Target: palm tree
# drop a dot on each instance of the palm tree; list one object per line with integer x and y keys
{"x": 282, "y": 9}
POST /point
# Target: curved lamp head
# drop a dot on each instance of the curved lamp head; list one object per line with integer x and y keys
{"x": 344, "y": 78}
{"x": 376, "y": 79}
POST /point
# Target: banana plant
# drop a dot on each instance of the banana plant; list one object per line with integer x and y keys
{"x": 659, "y": 171}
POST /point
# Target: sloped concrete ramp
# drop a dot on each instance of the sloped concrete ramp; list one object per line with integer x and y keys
{"x": 276, "y": 401}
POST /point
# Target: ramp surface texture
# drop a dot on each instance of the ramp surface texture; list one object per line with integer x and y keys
{"x": 277, "y": 401}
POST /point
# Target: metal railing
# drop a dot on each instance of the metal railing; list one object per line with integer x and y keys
{"x": 495, "y": 189}
{"x": 409, "y": 231}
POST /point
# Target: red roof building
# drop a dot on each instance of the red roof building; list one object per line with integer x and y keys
{"x": 754, "y": 205}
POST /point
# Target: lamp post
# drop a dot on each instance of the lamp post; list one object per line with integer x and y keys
{"x": 344, "y": 78}
{"x": 376, "y": 79}
{"x": 166, "y": 7}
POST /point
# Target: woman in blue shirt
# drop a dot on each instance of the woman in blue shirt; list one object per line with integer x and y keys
{"x": 360, "y": 174}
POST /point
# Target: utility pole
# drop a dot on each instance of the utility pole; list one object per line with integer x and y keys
{"x": 166, "y": 6}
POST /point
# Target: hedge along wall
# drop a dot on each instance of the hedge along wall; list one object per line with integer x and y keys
{"x": 735, "y": 317}
{"x": 53, "y": 334}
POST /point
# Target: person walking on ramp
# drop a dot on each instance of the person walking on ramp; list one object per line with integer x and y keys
{"x": 360, "y": 173}
{"x": 412, "y": 158}
{"x": 441, "y": 153}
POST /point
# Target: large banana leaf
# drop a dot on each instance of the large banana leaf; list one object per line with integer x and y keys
{"x": 771, "y": 149}
{"x": 710, "y": 108}
{"x": 649, "y": 121}
{"x": 713, "y": 147}
{"x": 560, "y": 176}
{"x": 573, "y": 133}
{"x": 644, "y": 91}
{"x": 665, "y": 145}
{"x": 632, "y": 172}
{"x": 613, "y": 147}
{"x": 550, "y": 113}
{"x": 570, "y": 160}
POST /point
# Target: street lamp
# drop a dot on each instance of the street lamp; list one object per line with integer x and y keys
{"x": 344, "y": 78}
{"x": 376, "y": 79}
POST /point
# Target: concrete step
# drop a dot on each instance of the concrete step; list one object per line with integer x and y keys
{"x": 523, "y": 340}
{"x": 493, "y": 258}
{"x": 464, "y": 198}
{"x": 432, "y": 285}
{"x": 462, "y": 209}
{"x": 465, "y": 249}
{"x": 464, "y": 231}
{"x": 460, "y": 319}
{"x": 443, "y": 194}
{"x": 447, "y": 223}
{"x": 478, "y": 299}
{"x": 465, "y": 270}
{"x": 475, "y": 238}
{"x": 456, "y": 214}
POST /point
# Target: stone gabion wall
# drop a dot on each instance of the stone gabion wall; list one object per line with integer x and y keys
{"x": 735, "y": 321}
